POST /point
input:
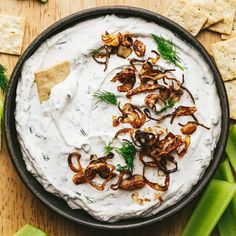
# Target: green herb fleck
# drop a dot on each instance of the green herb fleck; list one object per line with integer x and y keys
{"x": 169, "y": 104}
{"x": 127, "y": 151}
{"x": 94, "y": 51}
{"x": 45, "y": 157}
{"x": 3, "y": 78}
{"x": 90, "y": 199}
{"x": 167, "y": 50}
{"x": 107, "y": 97}
{"x": 120, "y": 168}
{"x": 83, "y": 132}
{"x": 108, "y": 148}
{"x": 30, "y": 129}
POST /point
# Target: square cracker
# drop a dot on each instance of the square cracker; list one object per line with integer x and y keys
{"x": 211, "y": 9}
{"x": 233, "y": 33}
{"x": 225, "y": 56}
{"x": 46, "y": 79}
{"x": 231, "y": 91}
{"x": 225, "y": 26}
{"x": 187, "y": 15}
{"x": 12, "y": 29}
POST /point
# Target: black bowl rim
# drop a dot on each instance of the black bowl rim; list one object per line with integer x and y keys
{"x": 58, "y": 205}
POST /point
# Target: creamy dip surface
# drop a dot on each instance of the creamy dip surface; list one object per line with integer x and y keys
{"x": 49, "y": 131}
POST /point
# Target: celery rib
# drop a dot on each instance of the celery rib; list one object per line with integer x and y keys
{"x": 29, "y": 230}
{"x": 210, "y": 208}
{"x": 227, "y": 223}
{"x": 231, "y": 147}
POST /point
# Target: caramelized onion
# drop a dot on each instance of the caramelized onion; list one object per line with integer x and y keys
{"x": 179, "y": 111}
{"x": 72, "y": 167}
{"x": 144, "y": 87}
{"x": 132, "y": 115}
{"x": 139, "y": 48}
{"x": 183, "y": 111}
{"x": 97, "y": 166}
{"x": 191, "y": 127}
{"x": 127, "y": 77}
{"x": 100, "y": 55}
{"x": 154, "y": 59}
{"x": 125, "y": 131}
{"x": 157, "y": 186}
{"x": 123, "y": 51}
{"x": 184, "y": 88}
{"x": 110, "y": 39}
{"x": 185, "y": 143}
{"x": 152, "y": 99}
{"x": 125, "y": 39}
{"x": 132, "y": 182}
{"x": 162, "y": 164}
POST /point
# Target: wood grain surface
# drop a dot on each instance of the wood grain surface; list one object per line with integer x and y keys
{"x": 17, "y": 205}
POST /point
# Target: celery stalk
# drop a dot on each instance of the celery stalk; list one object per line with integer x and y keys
{"x": 226, "y": 225}
{"x": 227, "y": 222}
{"x": 231, "y": 147}
{"x": 210, "y": 208}
{"x": 224, "y": 172}
{"x": 1, "y": 115}
{"x": 29, "y": 230}
{"x": 3, "y": 88}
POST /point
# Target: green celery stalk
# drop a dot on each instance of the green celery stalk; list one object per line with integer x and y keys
{"x": 1, "y": 115}
{"x": 224, "y": 172}
{"x": 227, "y": 222}
{"x": 210, "y": 208}
{"x": 231, "y": 147}
{"x": 29, "y": 230}
{"x": 226, "y": 225}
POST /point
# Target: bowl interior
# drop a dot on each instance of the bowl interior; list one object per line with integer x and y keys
{"x": 59, "y": 205}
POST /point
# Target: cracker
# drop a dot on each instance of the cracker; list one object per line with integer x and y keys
{"x": 187, "y": 15}
{"x": 231, "y": 91}
{"x": 233, "y": 33}
{"x": 225, "y": 56}
{"x": 211, "y": 9}
{"x": 225, "y": 26}
{"x": 12, "y": 29}
{"x": 46, "y": 79}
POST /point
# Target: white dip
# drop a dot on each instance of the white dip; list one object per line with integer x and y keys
{"x": 49, "y": 131}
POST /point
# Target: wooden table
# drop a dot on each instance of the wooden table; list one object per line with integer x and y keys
{"x": 17, "y": 205}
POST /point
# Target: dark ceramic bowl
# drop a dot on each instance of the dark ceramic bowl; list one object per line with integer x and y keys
{"x": 59, "y": 205}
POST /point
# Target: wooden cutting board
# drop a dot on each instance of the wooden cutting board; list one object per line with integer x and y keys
{"x": 17, "y": 205}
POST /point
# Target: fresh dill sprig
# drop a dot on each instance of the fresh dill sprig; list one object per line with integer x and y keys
{"x": 127, "y": 151}
{"x": 3, "y": 79}
{"x": 169, "y": 104}
{"x": 121, "y": 168}
{"x": 108, "y": 148}
{"x": 107, "y": 97}
{"x": 167, "y": 50}
{"x": 95, "y": 51}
